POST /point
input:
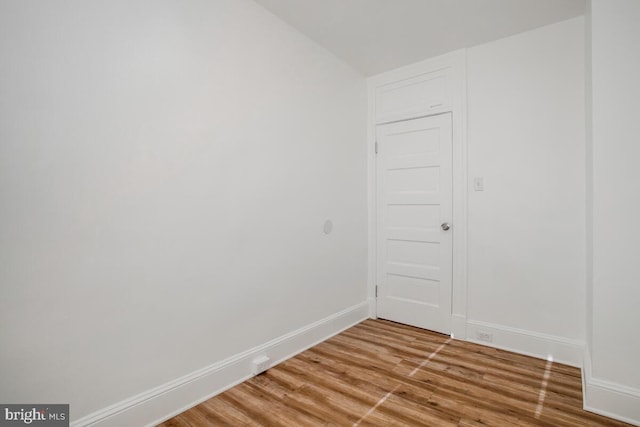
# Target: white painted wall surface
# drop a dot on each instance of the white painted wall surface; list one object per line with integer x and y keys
{"x": 526, "y": 139}
{"x": 165, "y": 172}
{"x": 615, "y": 348}
{"x": 588, "y": 178}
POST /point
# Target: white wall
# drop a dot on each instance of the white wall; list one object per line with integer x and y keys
{"x": 165, "y": 171}
{"x": 526, "y": 269}
{"x": 588, "y": 107}
{"x": 614, "y": 383}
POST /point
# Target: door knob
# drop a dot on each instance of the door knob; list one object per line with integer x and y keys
{"x": 445, "y": 226}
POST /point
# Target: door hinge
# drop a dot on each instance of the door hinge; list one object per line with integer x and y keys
{"x": 376, "y": 147}
{"x": 376, "y": 291}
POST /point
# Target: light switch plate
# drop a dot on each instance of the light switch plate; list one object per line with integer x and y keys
{"x": 478, "y": 184}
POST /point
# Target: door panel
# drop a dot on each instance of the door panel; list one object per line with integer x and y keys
{"x": 415, "y": 256}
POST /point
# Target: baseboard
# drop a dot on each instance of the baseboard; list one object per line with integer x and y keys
{"x": 609, "y": 399}
{"x": 543, "y": 346}
{"x": 161, "y": 403}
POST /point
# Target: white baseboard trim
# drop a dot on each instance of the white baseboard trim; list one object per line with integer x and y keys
{"x": 609, "y": 399}
{"x": 563, "y": 350}
{"x": 161, "y": 403}
{"x": 621, "y": 403}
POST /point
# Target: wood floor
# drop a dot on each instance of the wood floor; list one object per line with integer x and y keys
{"x": 380, "y": 373}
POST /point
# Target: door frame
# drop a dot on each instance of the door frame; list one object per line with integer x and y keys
{"x": 454, "y": 66}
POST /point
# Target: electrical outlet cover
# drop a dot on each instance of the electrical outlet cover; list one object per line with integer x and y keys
{"x": 484, "y": 336}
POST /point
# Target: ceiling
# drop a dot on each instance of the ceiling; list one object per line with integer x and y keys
{"x": 379, "y": 35}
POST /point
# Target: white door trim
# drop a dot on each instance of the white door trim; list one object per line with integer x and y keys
{"x": 455, "y": 65}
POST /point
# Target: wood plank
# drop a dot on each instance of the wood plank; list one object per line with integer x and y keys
{"x": 384, "y": 373}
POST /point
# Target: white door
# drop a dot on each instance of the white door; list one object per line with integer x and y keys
{"x": 415, "y": 204}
